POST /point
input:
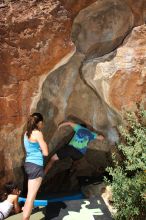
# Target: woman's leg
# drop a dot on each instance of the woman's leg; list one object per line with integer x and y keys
{"x": 33, "y": 186}
{"x": 53, "y": 159}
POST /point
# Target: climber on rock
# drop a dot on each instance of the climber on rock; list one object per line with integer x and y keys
{"x": 77, "y": 146}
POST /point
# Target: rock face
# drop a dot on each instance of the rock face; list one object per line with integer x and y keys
{"x": 35, "y": 39}
{"x": 138, "y": 9}
{"x": 120, "y": 77}
{"x": 116, "y": 81}
{"x": 28, "y": 40}
{"x": 69, "y": 98}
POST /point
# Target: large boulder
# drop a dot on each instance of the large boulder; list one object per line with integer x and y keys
{"x": 101, "y": 27}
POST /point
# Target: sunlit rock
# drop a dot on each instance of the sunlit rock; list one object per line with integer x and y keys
{"x": 120, "y": 77}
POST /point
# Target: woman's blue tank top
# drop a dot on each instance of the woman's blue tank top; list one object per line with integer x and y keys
{"x": 33, "y": 152}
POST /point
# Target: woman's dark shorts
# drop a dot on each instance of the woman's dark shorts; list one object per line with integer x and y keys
{"x": 69, "y": 151}
{"x": 33, "y": 171}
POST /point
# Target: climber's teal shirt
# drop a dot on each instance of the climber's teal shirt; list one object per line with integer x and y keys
{"x": 81, "y": 138}
{"x": 33, "y": 152}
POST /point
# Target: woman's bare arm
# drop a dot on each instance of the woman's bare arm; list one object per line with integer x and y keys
{"x": 17, "y": 207}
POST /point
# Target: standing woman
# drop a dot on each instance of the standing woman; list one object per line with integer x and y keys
{"x": 35, "y": 148}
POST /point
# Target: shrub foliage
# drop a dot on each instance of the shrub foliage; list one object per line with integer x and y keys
{"x": 129, "y": 175}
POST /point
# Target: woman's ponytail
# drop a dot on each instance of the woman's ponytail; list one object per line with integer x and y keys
{"x": 32, "y": 123}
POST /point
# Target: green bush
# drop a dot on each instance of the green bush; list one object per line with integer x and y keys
{"x": 129, "y": 174}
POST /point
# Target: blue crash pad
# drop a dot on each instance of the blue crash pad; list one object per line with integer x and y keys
{"x": 59, "y": 199}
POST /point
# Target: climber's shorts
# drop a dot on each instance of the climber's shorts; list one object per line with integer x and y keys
{"x": 69, "y": 151}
